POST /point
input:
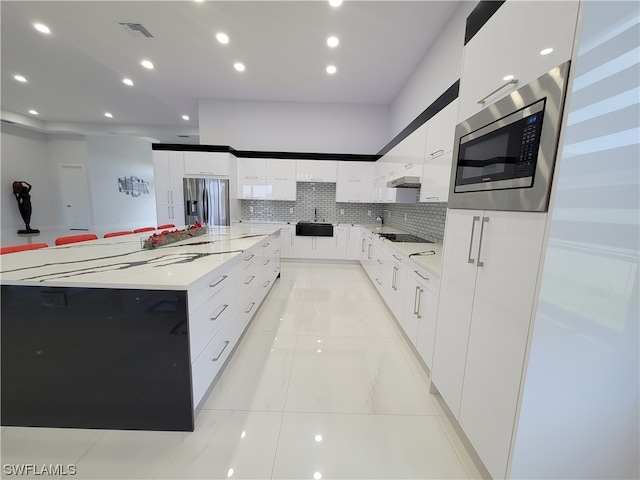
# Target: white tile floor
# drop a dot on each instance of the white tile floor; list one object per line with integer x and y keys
{"x": 323, "y": 385}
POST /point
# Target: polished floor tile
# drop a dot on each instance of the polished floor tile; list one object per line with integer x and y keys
{"x": 332, "y": 446}
{"x": 322, "y": 385}
{"x": 353, "y": 375}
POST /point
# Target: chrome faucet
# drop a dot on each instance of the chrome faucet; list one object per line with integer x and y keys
{"x": 315, "y": 214}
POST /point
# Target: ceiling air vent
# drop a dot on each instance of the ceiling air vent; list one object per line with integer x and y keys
{"x": 136, "y": 29}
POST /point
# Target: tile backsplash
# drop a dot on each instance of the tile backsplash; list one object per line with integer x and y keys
{"x": 317, "y": 202}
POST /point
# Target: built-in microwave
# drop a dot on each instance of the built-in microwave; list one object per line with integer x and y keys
{"x": 504, "y": 155}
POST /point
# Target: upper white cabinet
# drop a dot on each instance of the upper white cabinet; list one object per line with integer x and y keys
{"x": 489, "y": 272}
{"x": 316, "y": 170}
{"x": 279, "y": 169}
{"x": 169, "y": 172}
{"x": 355, "y": 172}
{"x": 441, "y": 131}
{"x": 354, "y": 183}
{"x": 206, "y": 163}
{"x": 252, "y": 168}
{"x": 436, "y": 179}
{"x": 509, "y": 44}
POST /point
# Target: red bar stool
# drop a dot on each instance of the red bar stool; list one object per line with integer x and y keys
{"x": 117, "y": 234}
{"x": 145, "y": 229}
{"x": 84, "y": 237}
{"x": 22, "y": 248}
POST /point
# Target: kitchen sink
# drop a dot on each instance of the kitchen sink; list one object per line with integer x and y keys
{"x": 314, "y": 229}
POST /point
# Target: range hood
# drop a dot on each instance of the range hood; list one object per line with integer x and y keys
{"x": 404, "y": 182}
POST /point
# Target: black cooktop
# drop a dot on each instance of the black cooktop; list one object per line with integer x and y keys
{"x": 403, "y": 237}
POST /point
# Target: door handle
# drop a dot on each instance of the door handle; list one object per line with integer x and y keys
{"x": 394, "y": 278}
{"x": 362, "y": 243}
{"x": 249, "y": 280}
{"x": 473, "y": 226}
{"x": 222, "y": 279}
{"x": 437, "y": 152}
{"x": 216, "y": 358}
{"x": 214, "y": 318}
{"x": 249, "y": 258}
{"x": 484, "y": 220}
{"x": 253, "y": 304}
{"x": 378, "y": 282}
{"x": 415, "y": 301}
{"x": 419, "y": 301}
{"x": 426, "y": 279}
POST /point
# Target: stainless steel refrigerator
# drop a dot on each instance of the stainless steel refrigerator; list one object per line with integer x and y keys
{"x": 206, "y": 201}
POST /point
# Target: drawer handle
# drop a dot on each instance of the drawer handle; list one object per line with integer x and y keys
{"x": 224, "y": 307}
{"x": 253, "y": 304}
{"x": 379, "y": 261}
{"x": 276, "y": 252}
{"x": 431, "y": 198}
{"x": 408, "y": 165}
{"x": 250, "y": 279}
{"x": 266, "y": 245}
{"x": 217, "y": 357}
{"x": 266, "y": 262}
{"x": 354, "y": 180}
{"x": 276, "y": 269}
{"x": 396, "y": 257}
{"x": 222, "y": 279}
{"x": 207, "y": 173}
{"x": 280, "y": 178}
{"x": 484, "y": 99}
{"x": 378, "y": 282}
{"x": 421, "y": 276}
{"x": 437, "y": 152}
{"x": 249, "y": 258}
{"x": 267, "y": 284}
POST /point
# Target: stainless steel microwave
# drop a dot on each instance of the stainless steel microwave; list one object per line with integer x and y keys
{"x": 504, "y": 155}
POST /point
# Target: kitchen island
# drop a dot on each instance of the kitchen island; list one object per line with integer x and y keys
{"x": 104, "y": 334}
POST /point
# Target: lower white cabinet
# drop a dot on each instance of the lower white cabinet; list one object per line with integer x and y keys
{"x": 314, "y": 247}
{"x": 347, "y": 242}
{"x": 287, "y": 237}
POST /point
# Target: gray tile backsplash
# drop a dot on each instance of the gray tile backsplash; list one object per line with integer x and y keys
{"x": 423, "y": 219}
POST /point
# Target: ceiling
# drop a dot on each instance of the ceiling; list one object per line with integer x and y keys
{"x": 74, "y": 74}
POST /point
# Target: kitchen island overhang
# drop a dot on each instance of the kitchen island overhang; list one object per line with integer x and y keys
{"x": 106, "y": 335}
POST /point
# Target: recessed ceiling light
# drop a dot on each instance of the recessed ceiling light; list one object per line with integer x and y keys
{"x": 318, "y": 438}
{"x": 507, "y": 78}
{"x": 33, "y": 112}
{"x": 222, "y": 37}
{"x": 147, "y": 64}
{"x": 20, "y": 78}
{"x": 333, "y": 41}
{"x": 41, "y": 28}
{"x": 331, "y": 69}
{"x": 185, "y": 117}
{"x": 108, "y": 115}
{"x": 335, "y": 3}
{"x": 546, "y": 51}
{"x": 128, "y": 81}
{"x": 239, "y": 66}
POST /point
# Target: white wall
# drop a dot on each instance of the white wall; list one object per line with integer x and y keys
{"x": 438, "y": 70}
{"x": 24, "y": 156}
{"x": 579, "y": 417}
{"x": 111, "y": 158}
{"x": 294, "y": 126}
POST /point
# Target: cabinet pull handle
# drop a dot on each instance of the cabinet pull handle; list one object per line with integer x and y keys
{"x": 379, "y": 261}
{"x": 253, "y": 304}
{"x": 421, "y": 276}
{"x": 222, "y": 279}
{"x": 408, "y": 165}
{"x": 250, "y": 279}
{"x": 369, "y": 252}
{"x": 249, "y": 258}
{"x": 431, "y": 198}
{"x": 251, "y": 178}
{"x": 415, "y": 301}
{"x": 266, "y": 245}
{"x": 276, "y": 269}
{"x": 393, "y": 278}
{"x": 484, "y": 220}
{"x": 276, "y": 252}
{"x": 484, "y": 99}
{"x": 168, "y": 197}
{"x": 378, "y": 282}
{"x": 437, "y": 152}
{"x": 280, "y": 178}
{"x": 363, "y": 245}
{"x": 216, "y": 358}
{"x": 169, "y": 211}
{"x": 207, "y": 173}
{"x": 396, "y": 257}
{"x": 267, "y": 284}
{"x": 266, "y": 262}
{"x": 473, "y": 226}
{"x": 171, "y": 196}
{"x": 419, "y": 301}
{"x": 214, "y": 318}
{"x": 354, "y": 180}
{"x": 173, "y": 213}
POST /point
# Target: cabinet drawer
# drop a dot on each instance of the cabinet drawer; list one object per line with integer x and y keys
{"x": 249, "y": 306}
{"x": 207, "y": 320}
{"x": 428, "y": 279}
{"x": 213, "y": 357}
{"x": 247, "y": 280}
{"x": 211, "y": 284}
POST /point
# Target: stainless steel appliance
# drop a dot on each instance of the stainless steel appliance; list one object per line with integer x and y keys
{"x": 206, "y": 201}
{"x": 405, "y": 182}
{"x": 504, "y": 155}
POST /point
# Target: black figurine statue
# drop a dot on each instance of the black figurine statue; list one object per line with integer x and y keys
{"x": 21, "y": 191}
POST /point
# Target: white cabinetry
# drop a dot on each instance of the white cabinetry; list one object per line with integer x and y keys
{"x": 281, "y": 179}
{"x": 353, "y": 243}
{"x": 510, "y": 44}
{"x": 436, "y": 179}
{"x": 354, "y": 183}
{"x": 421, "y": 303}
{"x": 168, "y": 172}
{"x": 314, "y": 247}
{"x": 441, "y": 131}
{"x": 287, "y": 237}
{"x": 206, "y": 163}
{"x": 252, "y": 178}
{"x": 490, "y": 266}
{"x": 316, "y": 170}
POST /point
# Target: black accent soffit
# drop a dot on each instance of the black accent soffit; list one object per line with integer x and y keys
{"x": 439, "y": 103}
{"x": 191, "y": 148}
{"x": 479, "y": 16}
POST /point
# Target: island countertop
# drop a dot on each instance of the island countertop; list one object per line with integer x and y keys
{"x": 120, "y": 262}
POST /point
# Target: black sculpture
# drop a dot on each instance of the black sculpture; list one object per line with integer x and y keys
{"x": 21, "y": 191}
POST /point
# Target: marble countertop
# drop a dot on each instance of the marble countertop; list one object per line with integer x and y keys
{"x": 120, "y": 262}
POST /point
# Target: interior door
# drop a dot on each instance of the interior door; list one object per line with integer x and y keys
{"x": 74, "y": 197}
